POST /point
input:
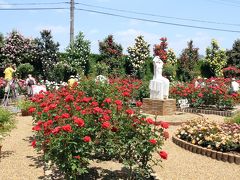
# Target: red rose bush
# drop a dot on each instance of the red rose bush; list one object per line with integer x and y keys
{"x": 96, "y": 121}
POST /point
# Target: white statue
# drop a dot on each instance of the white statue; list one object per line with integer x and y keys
{"x": 234, "y": 85}
{"x": 159, "y": 86}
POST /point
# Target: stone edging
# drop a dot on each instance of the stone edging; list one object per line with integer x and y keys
{"x": 227, "y": 113}
{"x": 225, "y": 157}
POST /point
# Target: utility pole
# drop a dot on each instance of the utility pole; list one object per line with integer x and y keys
{"x": 71, "y": 21}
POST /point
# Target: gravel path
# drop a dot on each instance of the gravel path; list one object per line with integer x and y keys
{"x": 19, "y": 160}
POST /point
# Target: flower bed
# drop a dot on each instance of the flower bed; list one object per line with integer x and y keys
{"x": 96, "y": 121}
{"x": 212, "y": 93}
{"x": 223, "y": 137}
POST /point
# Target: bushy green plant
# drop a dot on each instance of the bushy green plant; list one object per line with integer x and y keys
{"x": 92, "y": 120}
{"x": 24, "y": 69}
{"x": 62, "y": 71}
{"x": 24, "y": 104}
{"x": 6, "y": 122}
{"x": 234, "y": 119}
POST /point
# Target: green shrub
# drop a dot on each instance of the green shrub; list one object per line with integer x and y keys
{"x": 235, "y": 118}
{"x": 24, "y": 69}
{"x": 24, "y": 104}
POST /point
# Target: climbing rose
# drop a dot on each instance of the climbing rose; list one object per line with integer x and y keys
{"x": 32, "y": 109}
{"x": 163, "y": 154}
{"x": 87, "y": 139}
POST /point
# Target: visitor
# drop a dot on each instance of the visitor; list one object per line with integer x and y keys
{"x": 30, "y": 81}
{"x": 71, "y": 81}
{"x": 8, "y": 77}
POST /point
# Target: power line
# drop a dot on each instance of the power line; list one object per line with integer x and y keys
{"x": 127, "y": 17}
{"x": 31, "y": 4}
{"x": 156, "y": 15}
{"x": 159, "y": 22}
{"x": 38, "y": 8}
{"x": 224, "y": 3}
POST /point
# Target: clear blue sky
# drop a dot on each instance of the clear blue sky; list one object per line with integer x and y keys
{"x": 97, "y": 26}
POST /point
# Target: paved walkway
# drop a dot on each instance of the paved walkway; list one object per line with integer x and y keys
{"x": 20, "y": 161}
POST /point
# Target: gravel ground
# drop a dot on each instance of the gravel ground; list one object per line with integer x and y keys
{"x": 20, "y": 161}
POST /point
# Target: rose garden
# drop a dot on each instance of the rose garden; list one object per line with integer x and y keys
{"x": 98, "y": 127}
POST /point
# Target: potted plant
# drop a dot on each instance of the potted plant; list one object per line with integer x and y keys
{"x": 24, "y": 105}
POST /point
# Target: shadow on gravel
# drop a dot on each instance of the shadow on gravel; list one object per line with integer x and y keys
{"x": 37, "y": 161}
{"x": 5, "y": 154}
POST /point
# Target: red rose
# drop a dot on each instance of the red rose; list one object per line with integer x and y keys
{"x": 107, "y": 100}
{"x": 80, "y": 122}
{"x": 139, "y": 103}
{"x": 106, "y": 125}
{"x": 76, "y": 157}
{"x": 65, "y": 115}
{"x": 56, "y": 130}
{"x": 163, "y": 154}
{"x": 200, "y": 95}
{"x": 126, "y": 94}
{"x": 87, "y": 139}
{"x": 67, "y": 128}
{"x": 32, "y": 109}
{"x": 34, "y": 143}
{"x": 165, "y": 125}
{"x": 36, "y": 128}
{"x": 69, "y": 98}
{"x": 46, "y": 109}
{"x": 150, "y": 121}
{"x": 94, "y": 103}
{"x": 129, "y": 111}
{"x": 52, "y": 106}
{"x": 97, "y": 110}
{"x": 118, "y": 102}
{"x": 153, "y": 141}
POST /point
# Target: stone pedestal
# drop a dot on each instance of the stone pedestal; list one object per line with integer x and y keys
{"x": 159, "y": 107}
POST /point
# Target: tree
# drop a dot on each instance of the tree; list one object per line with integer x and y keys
{"x": 187, "y": 61}
{"x": 46, "y": 54}
{"x": 233, "y": 58}
{"x": 111, "y": 54}
{"x": 78, "y": 54}
{"x": 216, "y": 58}
{"x": 161, "y": 49}
{"x": 1, "y": 48}
{"x": 17, "y": 49}
{"x": 138, "y": 55}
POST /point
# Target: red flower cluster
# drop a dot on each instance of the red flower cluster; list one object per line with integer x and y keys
{"x": 161, "y": 49}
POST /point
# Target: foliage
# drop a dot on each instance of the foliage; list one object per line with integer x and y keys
{"x": 235, "y": 118}
{"x": 138, "y": 55}
{"x": 17, "y": 49}
{"x": 210, "y": 92}
{"x": 216, "y": 58}
{"x": 24, "y": 69}
{"x": 221, "y": 137}
{"x": 206, "y": 70}
{"x": 161, "y": 49}
{"x": 1, "y": 48}
{"x": 186, "y": 63}
{"x": 62, "y": 71}
{"x": 231, "y": 71}
{"x": 171, "y": 57}
{"x": 111, "y": 54}
{"x": 6, "y": 122}
{"x": 78, "y": 54}
{"x": 233, "y": 55}
{"x": 96, "y": 120}
{"x": 169, "y": 71}
{"x": 46, "y": 55}
{"x": 24, "y": 104}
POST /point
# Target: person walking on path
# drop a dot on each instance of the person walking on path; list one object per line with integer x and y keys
{"x": 30, "y": 81}
{"x": 9, "y": 76}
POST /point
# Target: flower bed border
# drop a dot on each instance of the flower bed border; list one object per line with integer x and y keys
{"x": 227, "y": 113}
{"x": 220, "y": 156}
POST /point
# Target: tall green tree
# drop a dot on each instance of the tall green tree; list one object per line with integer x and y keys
{"x": 216, "y": 58}
{"x": 138, "y": 55}
{"x": 46, "y": 54}
{"x": 233, "y": 55}
{"x": 78, "y": 54}
{"x": 111, "y": 54}
{"x": 187, "y": 61}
